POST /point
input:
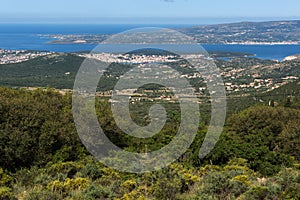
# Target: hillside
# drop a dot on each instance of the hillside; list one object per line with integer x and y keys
{"x": 248, "y": 81}
{"x": 56, "y": 70}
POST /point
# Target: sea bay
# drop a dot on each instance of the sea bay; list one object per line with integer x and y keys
{"x": 28, "y": 37}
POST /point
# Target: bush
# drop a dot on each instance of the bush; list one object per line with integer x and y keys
{"x": 289, "y": 180}
{"x": 68, "y": 186}
{"x": 95, "y": 191}
{"x": 40, "y": 194}
{"x": 256, "y": 192}
{"x": 68, "y": 168}
{"x": 6, "y": 194}
{"x": 5, "y": 180}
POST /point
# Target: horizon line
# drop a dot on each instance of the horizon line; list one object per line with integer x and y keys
{"x": 145, "y": 20}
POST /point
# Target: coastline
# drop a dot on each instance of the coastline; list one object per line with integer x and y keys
{"x": 72, "y": 39}
{"x": 262, "y": 43}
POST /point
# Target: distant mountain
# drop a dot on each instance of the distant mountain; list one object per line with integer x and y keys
{"x": 274, "y": 32}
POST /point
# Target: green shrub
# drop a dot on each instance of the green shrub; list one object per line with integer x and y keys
{"x": 95, "y": 191}
{"x": 5, "y": 180}
{"x": 91, "y": 171}
{"x": 68, "y": 168}
{"x": 6, "y": 194}
{"x": 257, "y": 192}
{"x": 40, "y": 194}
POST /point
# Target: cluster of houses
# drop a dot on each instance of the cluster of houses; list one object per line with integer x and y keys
{"x": 130, "y": 58}
{"x": 239, "y": 80}
{"x": 17, "y": 56}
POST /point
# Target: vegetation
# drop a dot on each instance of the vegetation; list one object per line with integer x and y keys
{"x": 52, "y": 70}
{"x": 42, "y": 157}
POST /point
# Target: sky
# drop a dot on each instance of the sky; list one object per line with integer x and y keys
{"x": 146, "y": 10}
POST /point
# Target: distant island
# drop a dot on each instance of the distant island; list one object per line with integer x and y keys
{"x": 75, "y": 38}
{"x": 247, "y": 33}
{"x": 256, "y": 33}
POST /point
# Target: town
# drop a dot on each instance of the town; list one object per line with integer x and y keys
{"x": 18, "y": 56}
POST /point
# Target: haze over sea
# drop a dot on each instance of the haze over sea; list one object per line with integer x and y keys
{"x": 24, "y": 37}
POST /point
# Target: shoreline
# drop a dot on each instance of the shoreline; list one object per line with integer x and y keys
{"x": 253, "y": 44}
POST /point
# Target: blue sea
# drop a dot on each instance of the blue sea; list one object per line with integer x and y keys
{"x": 24, "y": 37}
